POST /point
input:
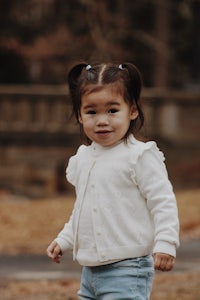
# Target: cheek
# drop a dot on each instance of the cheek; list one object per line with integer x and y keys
{"x": 87, "y": 123}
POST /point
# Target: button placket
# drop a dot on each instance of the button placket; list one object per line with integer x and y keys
{"x": 81, "y": 197}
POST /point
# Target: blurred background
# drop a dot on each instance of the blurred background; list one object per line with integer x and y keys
{"x": 41, "y": 39}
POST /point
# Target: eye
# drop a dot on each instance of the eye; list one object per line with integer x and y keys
{"x": 113, "y": 110}
{"x": 91, "y": 112}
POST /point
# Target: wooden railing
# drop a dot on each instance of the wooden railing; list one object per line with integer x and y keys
{"x": 34, "y": 117}
{"x": 173, "y": 116}
{"x": 40, "y": 114}
{"x": 35, "y": 114}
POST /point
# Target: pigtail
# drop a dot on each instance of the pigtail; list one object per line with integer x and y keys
{"x": 135, "y": 79}
{"x": 74, "y": 75}
{"x": 74, "y": 87}
{"x": 135, "y": 82}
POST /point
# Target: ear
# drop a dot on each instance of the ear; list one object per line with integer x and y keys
{"x": 133, "y": 113}
{"x": 80, "y": 118}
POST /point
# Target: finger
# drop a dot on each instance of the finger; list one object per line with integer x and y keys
{"x": 157, "y": 261}
{"x": 57, "y": 259}
{"x": 170, "y": 264}
{"x": 51, "y": 249}
{"x": 56, "y": 251}
{"x": 163, "y": 263}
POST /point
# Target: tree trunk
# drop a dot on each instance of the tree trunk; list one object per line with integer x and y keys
{"x": 162, "y": 54}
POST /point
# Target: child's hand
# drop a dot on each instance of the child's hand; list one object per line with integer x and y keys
{"x": 54, "y": 252}
{"x": 163, "y": 262}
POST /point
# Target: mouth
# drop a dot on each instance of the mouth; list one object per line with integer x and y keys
{"x": 103, "y": 133}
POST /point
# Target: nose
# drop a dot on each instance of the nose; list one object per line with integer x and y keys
{"x": 102, "y": 120}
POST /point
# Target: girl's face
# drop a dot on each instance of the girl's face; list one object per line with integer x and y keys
{"x": 106, "y": 116}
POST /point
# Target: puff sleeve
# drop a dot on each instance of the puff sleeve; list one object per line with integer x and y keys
{"x": 72, "y": 168}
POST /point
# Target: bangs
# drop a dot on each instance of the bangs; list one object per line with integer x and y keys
{"x": 117, "y": 87}
{"x": 87, "y": 89}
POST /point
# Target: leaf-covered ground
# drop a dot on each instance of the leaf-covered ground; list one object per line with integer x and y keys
{"x": 27, "y": 226}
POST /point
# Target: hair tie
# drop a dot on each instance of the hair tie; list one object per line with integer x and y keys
{"x": 121, "y": 67}
{"x": 88, "y": 67}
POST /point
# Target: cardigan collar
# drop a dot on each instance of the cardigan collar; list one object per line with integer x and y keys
{"x": 97, "y": 149}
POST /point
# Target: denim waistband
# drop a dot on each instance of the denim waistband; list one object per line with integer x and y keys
{"x": 143, "y": 261}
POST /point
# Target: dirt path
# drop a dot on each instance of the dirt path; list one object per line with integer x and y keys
{"x": 39, "y": 266}
{"x": 30, "y": 267}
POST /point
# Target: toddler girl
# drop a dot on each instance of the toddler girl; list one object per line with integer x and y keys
{"x": 125, "y": 222}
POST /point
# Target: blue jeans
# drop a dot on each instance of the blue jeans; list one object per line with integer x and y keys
{"x": 129, "y": 279}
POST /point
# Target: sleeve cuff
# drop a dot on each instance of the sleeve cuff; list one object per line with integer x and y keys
{"x": 165, "y": 247}
{"x": 63, "y": 244}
